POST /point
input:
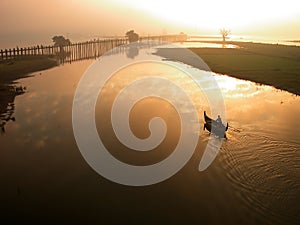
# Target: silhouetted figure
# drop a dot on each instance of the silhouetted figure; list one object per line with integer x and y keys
{"x": 132, "y": 36}
{"x": 219, "y": 120}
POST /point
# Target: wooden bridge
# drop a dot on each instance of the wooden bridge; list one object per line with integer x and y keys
{"x": 81, "y": 50}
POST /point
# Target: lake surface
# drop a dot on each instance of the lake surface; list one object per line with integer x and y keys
{"x": 264, "y": 40}
{"x": 255, "y": 178}
{"x": 198, "y": 44}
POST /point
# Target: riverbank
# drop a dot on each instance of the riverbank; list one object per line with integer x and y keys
{"x": 275, "y": 65}
{"x": 12, "y": 70}
{"x": 9, "y": 72}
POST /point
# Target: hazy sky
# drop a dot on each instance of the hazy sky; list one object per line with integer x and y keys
{"x": 26, "y": 22}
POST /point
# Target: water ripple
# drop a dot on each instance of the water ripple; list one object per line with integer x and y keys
{"x": 262, "y": 170}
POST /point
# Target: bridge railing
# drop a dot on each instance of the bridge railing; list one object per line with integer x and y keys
{"x": 81, "y": 50}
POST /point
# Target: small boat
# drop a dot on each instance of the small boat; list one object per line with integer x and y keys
{"x": 214, "y": 126}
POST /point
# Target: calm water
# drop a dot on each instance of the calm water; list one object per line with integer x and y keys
{"x": 255, "y": 39}
{"x": 255, "y": 178}
{"x": 199, "y": 44}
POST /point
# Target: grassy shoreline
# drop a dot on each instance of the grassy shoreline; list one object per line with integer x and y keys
{"x": 12, "y": 70}
{"x": 275, "y": 65}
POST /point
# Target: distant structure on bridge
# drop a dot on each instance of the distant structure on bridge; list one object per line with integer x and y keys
{"x": 132, "y": 36}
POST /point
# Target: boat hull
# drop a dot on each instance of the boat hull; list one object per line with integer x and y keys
{"x": 214, "y": 126}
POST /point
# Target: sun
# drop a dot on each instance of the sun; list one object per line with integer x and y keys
{"x": 215, "y": 14}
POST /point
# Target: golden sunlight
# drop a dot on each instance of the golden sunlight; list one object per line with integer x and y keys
{"x": 215, "y": 14}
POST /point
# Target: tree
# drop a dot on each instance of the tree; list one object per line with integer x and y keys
{"x": 60, "y": 41}
{"x": 224, "y": 32}
{"x": 132, "y": 36}
{"x": 183, "y": 36}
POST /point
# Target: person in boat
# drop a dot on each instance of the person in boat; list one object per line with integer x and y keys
{"x": 219, "y": 120}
